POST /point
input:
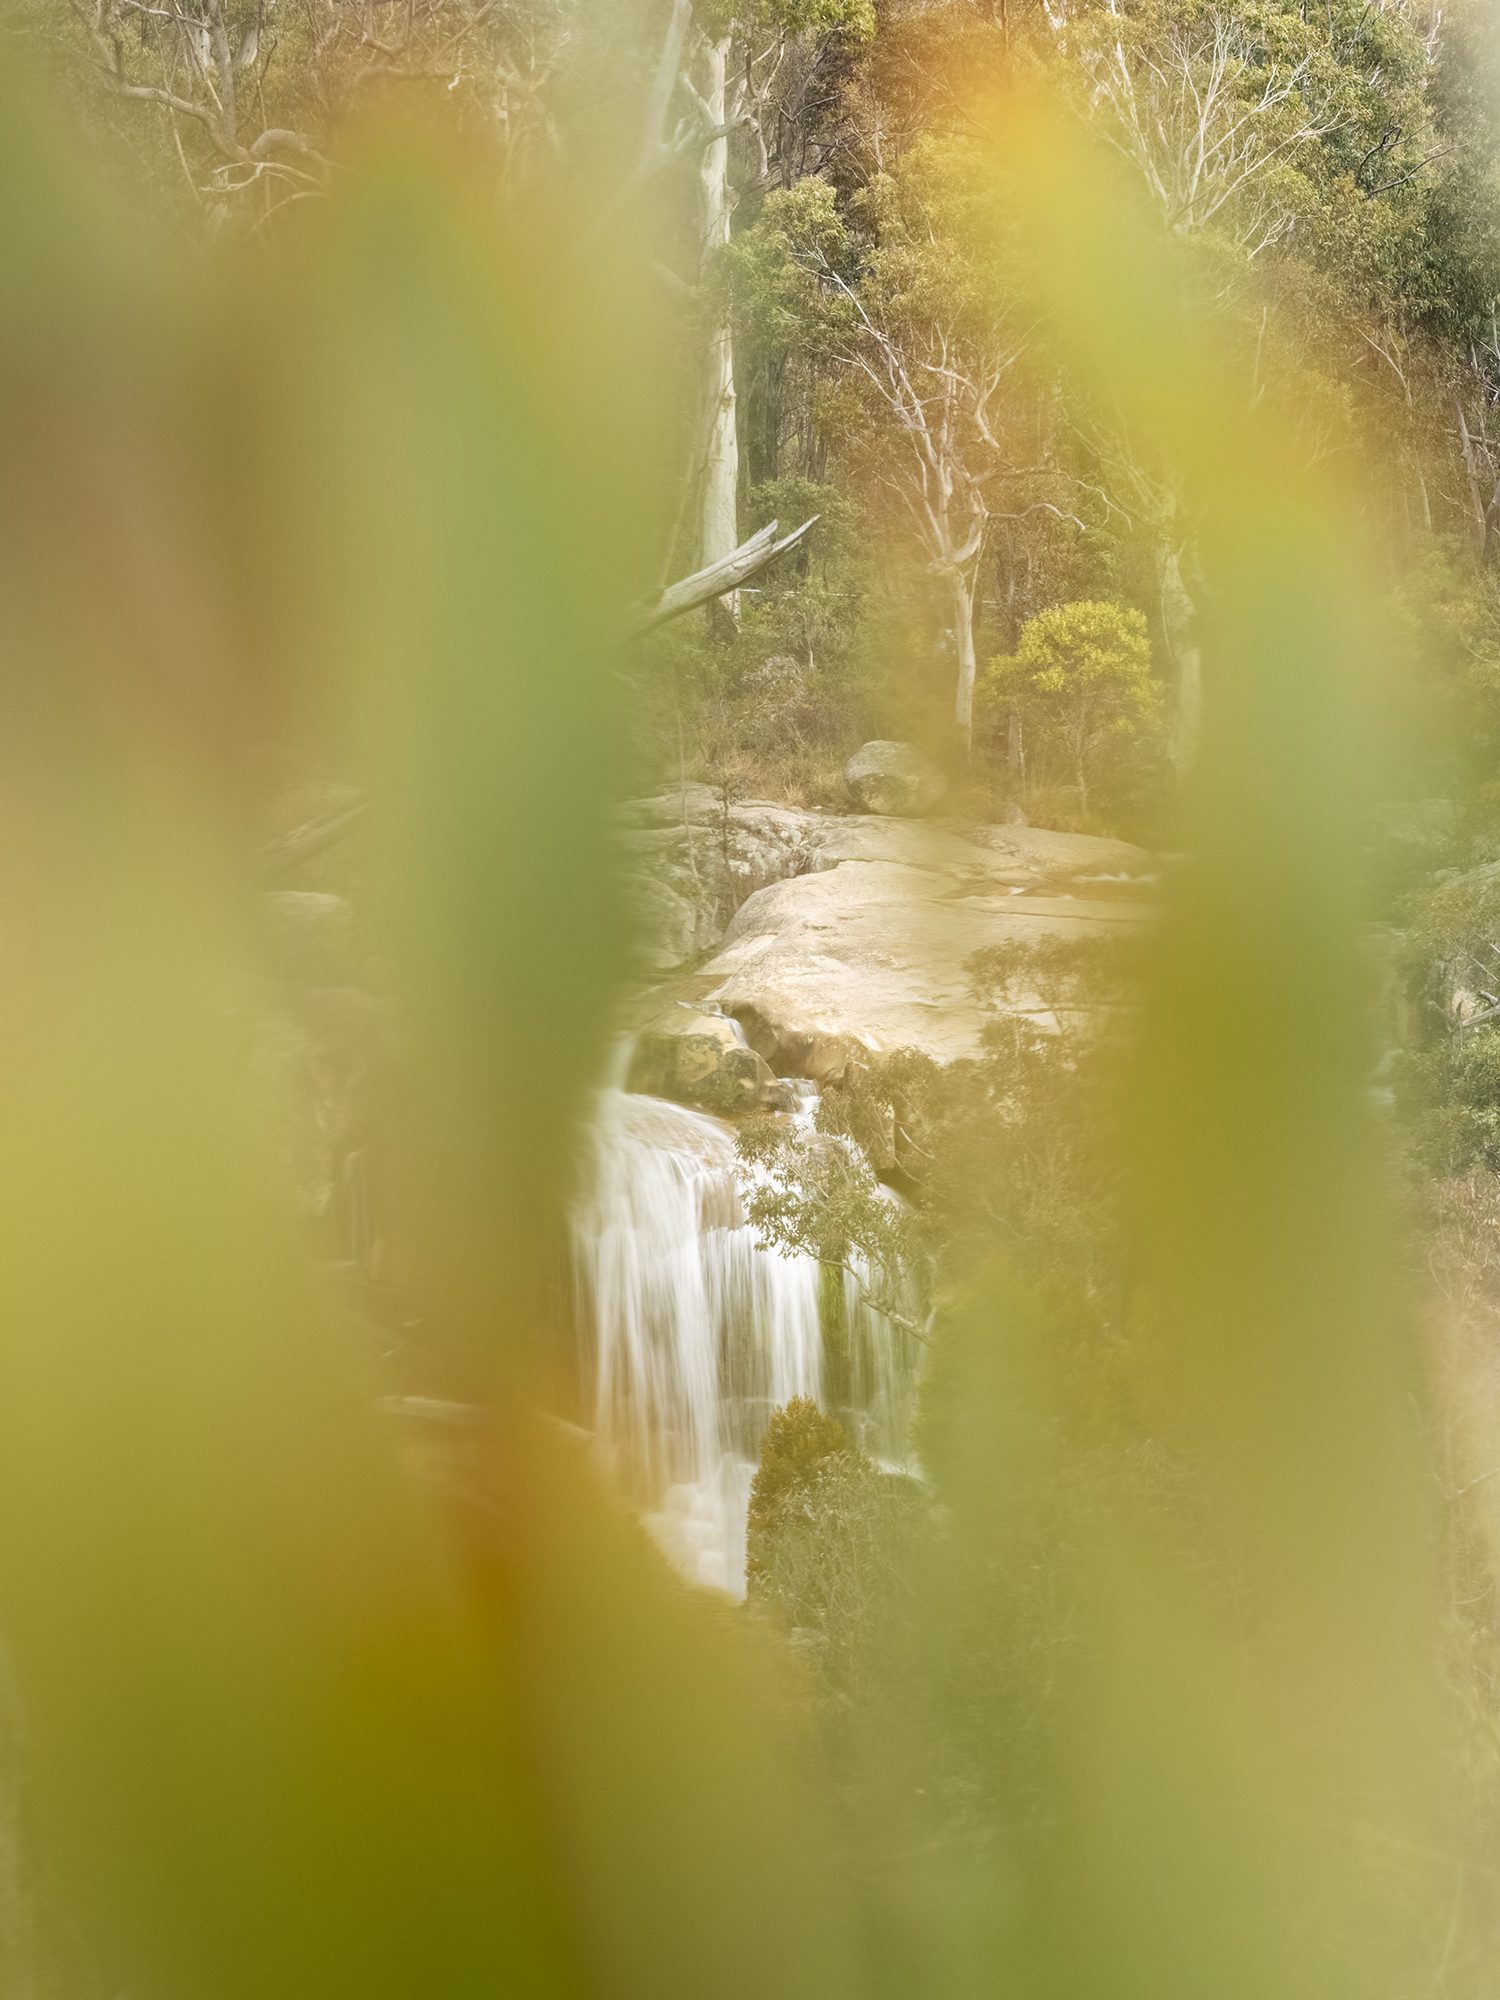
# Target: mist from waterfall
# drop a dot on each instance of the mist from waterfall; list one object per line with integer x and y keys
{"x": 696, "y": 1332}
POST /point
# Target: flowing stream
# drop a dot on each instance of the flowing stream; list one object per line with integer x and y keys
{"x": 697, "y": 1332}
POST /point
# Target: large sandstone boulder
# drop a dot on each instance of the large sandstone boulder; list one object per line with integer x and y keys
{"x": 866, "y": 950}
{"x": 894, "y": 778}
{"x": 691, "y": 861}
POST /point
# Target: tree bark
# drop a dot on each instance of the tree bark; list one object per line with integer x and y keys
{"x": 719, "y": 511}
{"x": 961, "y": 585}
{"x": 1467, "y": 444}
{"x": 1179, "y": 616}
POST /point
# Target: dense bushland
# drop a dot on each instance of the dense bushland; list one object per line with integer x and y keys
{"x": 858, "y": 333}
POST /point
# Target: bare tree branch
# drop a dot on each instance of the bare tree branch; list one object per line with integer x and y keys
{"x": 716, "y": 581}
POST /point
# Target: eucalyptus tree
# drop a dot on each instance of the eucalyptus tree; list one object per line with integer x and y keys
{"x": 248, "y": 99}
{"x": 1283, "y": 139}
{"x": 919, "y": 313}
{"x": 740, "y": 75}
{"x": 931, "y": 348}
{"x": 203, "y": 65}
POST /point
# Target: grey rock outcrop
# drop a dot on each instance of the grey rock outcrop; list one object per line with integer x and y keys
{"x": 894, "y": 779}
{"x": 691, "y": 860}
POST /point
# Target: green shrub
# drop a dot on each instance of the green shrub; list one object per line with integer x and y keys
{"x": 833, "y": 1548}
{"x": 1448, "y": 1097}
{"x": 1082, "y": 676}
{"x": 799, "y": 1443}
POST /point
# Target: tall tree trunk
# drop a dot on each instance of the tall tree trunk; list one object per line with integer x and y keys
{"x": 718, "y": 534}
{"x": 961, "y": 585}
{"x": 1179, "y": 618}
{"x": 1471, "y": 469}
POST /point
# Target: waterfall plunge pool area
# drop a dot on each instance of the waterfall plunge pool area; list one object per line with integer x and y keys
{"x": 696, "y": 1331}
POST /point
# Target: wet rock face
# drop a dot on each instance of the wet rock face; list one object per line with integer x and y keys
{"x": 894, "y": 779}
{"x": 700, "y": 1059}
{"x": 706, "y": 1071}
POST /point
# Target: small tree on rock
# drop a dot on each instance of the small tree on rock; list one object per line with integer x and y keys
{"x": 1084, "y": 670}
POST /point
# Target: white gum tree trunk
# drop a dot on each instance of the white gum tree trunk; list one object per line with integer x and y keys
{"x": 718, "y": 534}
{"x": 961, "y": 589}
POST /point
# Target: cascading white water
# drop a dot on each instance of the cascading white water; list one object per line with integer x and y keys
{"x": 698, "y": 1333}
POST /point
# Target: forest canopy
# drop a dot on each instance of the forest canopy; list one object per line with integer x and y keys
{"x": 852, "y": 331}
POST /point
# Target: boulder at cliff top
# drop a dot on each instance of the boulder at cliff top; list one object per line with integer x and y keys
{"x": 894, "y": 779}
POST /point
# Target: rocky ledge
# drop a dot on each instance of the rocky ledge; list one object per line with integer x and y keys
{"x": 832, "y": 939}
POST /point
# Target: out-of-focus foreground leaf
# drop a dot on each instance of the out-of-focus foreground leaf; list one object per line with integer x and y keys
{"x": 1245, "y": 1714}
{"x": 295, "y": 1723}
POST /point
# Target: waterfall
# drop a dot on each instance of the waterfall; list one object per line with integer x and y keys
{"x": 696, "y": 1332}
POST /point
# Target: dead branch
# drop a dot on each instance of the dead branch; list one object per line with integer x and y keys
{"x": 748, "y": 560}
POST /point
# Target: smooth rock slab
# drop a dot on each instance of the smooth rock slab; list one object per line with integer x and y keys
{"x": 851, "y": 963}
{"x": 1017, "y": 856}
{"x": 690, "y": 862}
